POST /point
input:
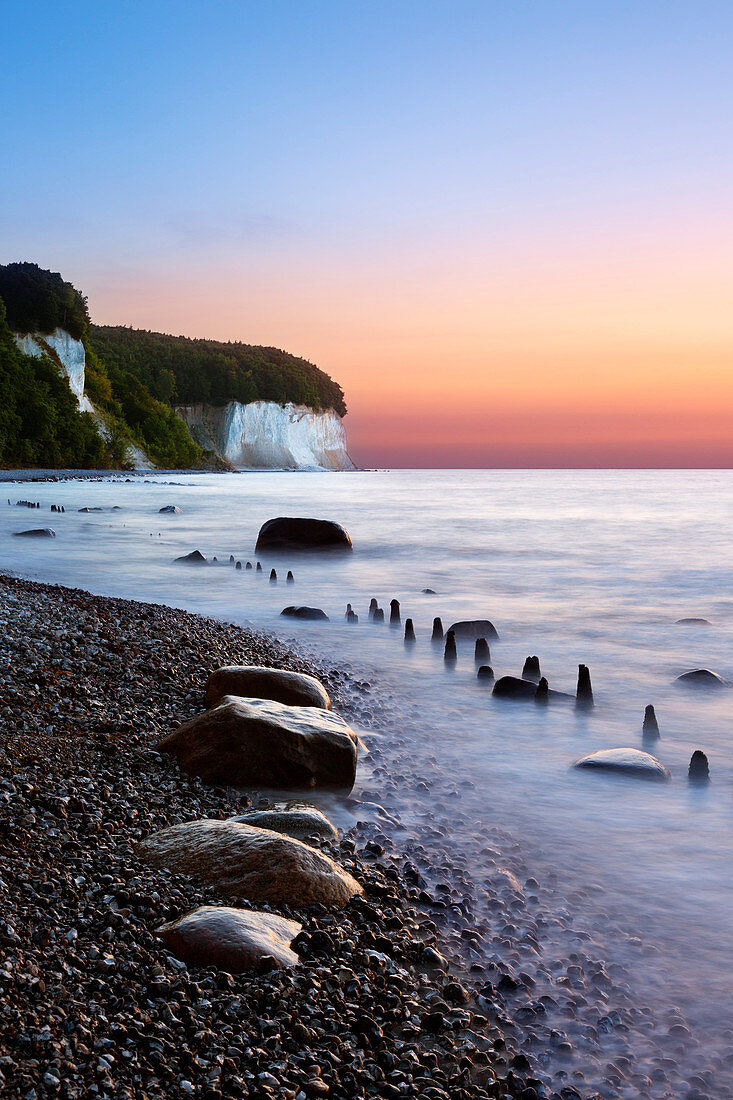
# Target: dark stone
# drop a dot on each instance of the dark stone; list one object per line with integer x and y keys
{"x": 701, "y": 678}
{"x": 692, "y": 622}
{"x": 437, "y": 630}
{"x": 36, "y": 533}
{"x": 302, "y": 535}
{"x": 352, "y": 617}
{"x": 295, "y": 689}
{"x": 170, "y": 510}
{"x": 531, "y": 670}
{"x": 311, "y": 613}
{"x": 231, "y": 559}
{"x": 699, "y": 771}
{"x": 248, "y": 565}
{"x": 259, "y": 567}
{"x": 273, "y": 576}
{"x": 542, "y": 695}
{"x": 429, "y": 592}
{"x": 409, "y": 631}
{"x": 650, "y": 726}
{"x": 91, "y": 509}
{"x": 238, "y": 565}
{"x": 470, "y": 629}
{"x": 481, "y": 651}
{"x": 194, "y": 558}
{"x": 584, "y": 693}
{"x": 290, "y": 579}
{"x": 378, "y": 615}
{"x": 373, "y": 605}
{"x": 512, "y": 687}
{"x": 394, "y": 611}
{"x": 485, "y": 672}
{"x": 450, "y": 653}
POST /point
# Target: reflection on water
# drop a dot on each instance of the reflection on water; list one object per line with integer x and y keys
{"x": 590, "y": 567}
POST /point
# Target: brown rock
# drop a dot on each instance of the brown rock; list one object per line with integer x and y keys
{"x": 261, "y": 743}
{"x": 231, "y": 939}
{"x": 296, "y": 689}
{"x": 256, "y": 864}
{"x": 298, "y": 821}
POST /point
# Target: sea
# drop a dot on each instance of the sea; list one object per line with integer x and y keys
{"x": 594, "y": 567}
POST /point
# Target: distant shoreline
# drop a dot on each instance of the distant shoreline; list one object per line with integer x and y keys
{"x": 9, "y": 476}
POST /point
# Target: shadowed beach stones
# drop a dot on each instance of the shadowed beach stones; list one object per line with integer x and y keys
{"x": 256, "y": 864}
{"x": 295, "y": 689}
{"x": 36, "y": 533}
{"x": 633, "y": 762}
{"x": 194, "y": 558}
{"x": 301, "y": 822}
{"x": 313, "y": 614}
{"x": 235, "y": 940}
{"x": 262, "y": 743}
{"x": 699, "y": 770}
{"x": 302, "y": 535}
{"x": 170, "y": 510}
{"x": 471, "y": 629}
{"x": 701, "y": 678}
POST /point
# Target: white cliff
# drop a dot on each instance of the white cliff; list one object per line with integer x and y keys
{"x": 69, "y": 355}
{"x": 264, "y": 435}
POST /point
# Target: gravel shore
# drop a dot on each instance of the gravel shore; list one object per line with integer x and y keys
{"x": 93, "y": 1004}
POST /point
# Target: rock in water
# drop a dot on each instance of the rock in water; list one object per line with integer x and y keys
{"x": 248, "y": 566}
{"x": 584, "y": 693}
{"x": 437, "y": 635}
{"x": 542, "y": 695}
{"x": 314, "y": 614}
{"x": 378, "y": 615}
{"x": 262, "y": 743}
{"x": 531, "y": 670}
{"x": 692, "y": 622}
{"x": 238, "y": 565}
{"x": 409, "y": 631}
{"x": 256, "y": 864}
{"x": 633, "y": 762}
{"x": 290, "y": 579}
{"x": 394, "y": 611}
{"x": 701, "y": 678}
{"x": 234, "y": 940}
{"x": 699, "y": 770}
{"x": 450, "y": 652}
{"x": 295, "y": 689}
{"x": 481, "y": 651}
{"x": 352, "y": 617}
{"x": 170, "y": 510}
{"x": 302, "y": 535}
{"x": 512, "y": 687}
{"x": 471, "y": 629}
{"x": 36, "y": 533}
{"x": 301, "y": 822}
{"x": 273, "y": 576}
{"x": 485, "y": 672}
{"x": 194, "y": 558}
{"x": 650, "y": 726}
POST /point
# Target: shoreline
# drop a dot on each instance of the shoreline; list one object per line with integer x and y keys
{"x": 20, "y": 477}
{"x": 93, "y": 1001}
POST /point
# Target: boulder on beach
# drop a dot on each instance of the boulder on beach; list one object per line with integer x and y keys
{"x": 288, "y": 534}
{"x": 234, "y": 940}
{"x": 692, "y": 622}
{"x": 313, "y": 614}
{"x": 300, "y": 822}
{"x": 701, "y": 678}
{"x": 514, "y": 687}
{"x": 170, "y": 510}
{"x": 471, "y": 629}
{"x": 634, "y": 762}
{"x": 36, "y": 533}
{"x": 261, "y": 743}
{"x": 256, "y": 864}
{"x": 194, "y": 558}
{"x": 296, "y": 689}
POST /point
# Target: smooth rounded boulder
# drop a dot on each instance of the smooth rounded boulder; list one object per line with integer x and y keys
{"x": 300, "y": 822}
{"x": 288, "y": 534}
{"x": 701, "y": 678}
{"x": 36, "y": 533}
{"x": 633, "y": 762}
{"x": 261, "y": 743}
{"x": 295, "y": 689}
{"x": 309, "y": 614}
{"x": 256, "y": 864}
{"x": 692, "y": 622}
{"x": 235, "y": 940}
{"x": 471, "y": 629}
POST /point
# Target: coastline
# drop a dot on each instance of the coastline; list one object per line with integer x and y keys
{"x": 95, "y": 1004}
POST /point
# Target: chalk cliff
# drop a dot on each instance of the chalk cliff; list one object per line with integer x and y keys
{"x": 264, "y": 435}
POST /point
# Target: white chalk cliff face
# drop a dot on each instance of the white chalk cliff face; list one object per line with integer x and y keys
{"x": 69, "y": 354}
{"x": 264, "y": 435}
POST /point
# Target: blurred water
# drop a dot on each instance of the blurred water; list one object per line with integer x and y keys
{"x": 591, "y": 566}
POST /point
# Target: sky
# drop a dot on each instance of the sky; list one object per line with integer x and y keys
{"x": 505, "y": 228}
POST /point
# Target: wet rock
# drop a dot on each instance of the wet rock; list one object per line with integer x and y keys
{"x": 481, "y": 651}
{"x": 701, "y": 678}
{"x": 36, "y": 533}
{"x": 248, "y": 565}
{"x": 262, "y": 743}
{"x": 486, "y": 673}
{"x": 234, "y": 940}
{"x": 258, "y": 567}
{"x": 373, "y": 605}
{"x": 378, "y": 615}
{"x": 170, "y": 510}
{"x": 238, "y": 565}
{"x": 699, "y": 770}
{"x": 450, "y": 653}
{"x": 312, "y": 614}
{"x": 531, "y": 670}
{"x": 428, "y": 592}
{"x": 256, "y": 864}
{"x": 295, "y": 689}
{"x": 194, "y": 558}
{"x": 290, "y": 579}
{"x": 650, "y": 726}
{"x": 409, "y": 631}
{"x": 542, "y": 695}
{"x": 512, "y": 687}
{"x": 394, "y": 612}
{"x": 352, "y": 617}
{"x": 302, "y": 535}
{"x": 634, "y": 762}
{"x": 437, "y": 635}
{"x": 470, "y": 629}
{"x": 692, "y": 622}
{"x": 584, "y": 692}
{"x": 273, "y": 576}
{"x": 301, "y": 822}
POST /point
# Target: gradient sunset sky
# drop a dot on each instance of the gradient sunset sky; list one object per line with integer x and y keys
{"x": 505, "y": 228}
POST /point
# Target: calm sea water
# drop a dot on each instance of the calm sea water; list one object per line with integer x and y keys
{"x": 575, "y": 566}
